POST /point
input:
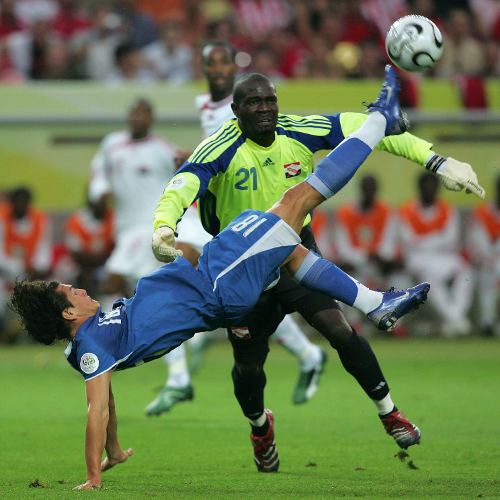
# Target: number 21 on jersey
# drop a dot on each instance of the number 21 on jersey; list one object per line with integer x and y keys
{"x": 247, "y": 179}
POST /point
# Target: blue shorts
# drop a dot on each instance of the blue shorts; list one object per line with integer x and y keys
{"x": 244, "y": 259}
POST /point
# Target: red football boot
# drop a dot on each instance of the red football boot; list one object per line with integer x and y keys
{"x": 401, "y": 429}
{"x": 265, "y": 452}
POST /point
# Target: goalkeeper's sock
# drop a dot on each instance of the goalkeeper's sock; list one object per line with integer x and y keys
{"x": 384, "y": 405}
{"x": 324, "y": 276}
{"x": 336, "y": 169}
{"x": 260, "y": 425}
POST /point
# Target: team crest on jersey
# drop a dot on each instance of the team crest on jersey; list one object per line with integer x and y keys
{"x": 89, "y": 363}
{"x": 292, "y": 169}
{"x": 176, "y": 183}
{"x": 241, "y": 332}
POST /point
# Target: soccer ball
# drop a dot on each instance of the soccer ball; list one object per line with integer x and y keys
{"x": 414, "y": 43}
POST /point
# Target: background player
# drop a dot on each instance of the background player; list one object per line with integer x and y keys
{"x": 89, "y": 239}
{"x": 484, "y": 247}
{"x": 214, "y": 108}
{"x": 178, "y": 300}
{"x": 25, "y": 242}
{"x": 250, "y": 162}
{"x": 366, "y": 239}
{"x": 430, "y": 239}
{"x": 131, "y": 166}
{"x": 366, "y": 235}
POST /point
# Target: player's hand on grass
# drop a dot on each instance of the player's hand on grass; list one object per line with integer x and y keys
{"x": 111, "y": 461}
{"x": 456, "y": 175}
{"x": 88, "y": 485}
{"x": 164, "y": 244}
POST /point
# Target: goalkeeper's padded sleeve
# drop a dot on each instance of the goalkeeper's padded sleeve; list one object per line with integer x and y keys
{"x": 179, "y": 194}
{"x": 405, "y": 145}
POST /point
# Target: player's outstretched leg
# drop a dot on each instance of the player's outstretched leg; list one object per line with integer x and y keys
{"x": 337, "y": 168}
{"x": 382, "y": 308}
{"x": 397, "y": 303}
{"x": 265, "y": 452}
{"x": 319, "y": 274}
{"x": 387, "y": 103}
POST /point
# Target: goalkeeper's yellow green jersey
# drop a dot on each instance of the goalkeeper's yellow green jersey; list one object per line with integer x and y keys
{"x": 229, "y": 173}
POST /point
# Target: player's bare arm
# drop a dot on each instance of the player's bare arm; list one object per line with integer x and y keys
{"x": 115, "y": 454}
{"x": 97, "y": 422}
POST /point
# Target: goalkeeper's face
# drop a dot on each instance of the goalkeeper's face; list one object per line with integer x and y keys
{"x": 257, "y": 110}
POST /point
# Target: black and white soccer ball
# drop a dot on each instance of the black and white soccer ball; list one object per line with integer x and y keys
{"x": 414, "y": 43}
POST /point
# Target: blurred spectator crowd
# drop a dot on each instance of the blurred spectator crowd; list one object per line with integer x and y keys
{"x": 150, "y": 40}
{"x": 426, "y": 239}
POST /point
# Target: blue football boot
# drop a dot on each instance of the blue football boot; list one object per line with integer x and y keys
{"x": 387, "y": 103}
{"x": 397, "y": 303}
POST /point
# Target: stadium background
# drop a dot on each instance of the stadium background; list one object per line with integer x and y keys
{"x": 49, "y": 131}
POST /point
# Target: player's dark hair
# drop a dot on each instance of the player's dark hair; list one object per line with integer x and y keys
{"x": 142, "y": 101}
{"x": 218, "y": 44}
{"x": 123, "y": 50}
{"x": 240, "y": 87}
{"x": 40, "y": 307}
{"x": 427, "y": 177}
{"x": 20, "y": 192}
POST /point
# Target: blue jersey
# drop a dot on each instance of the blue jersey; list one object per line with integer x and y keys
{"x": 176, "y": 301}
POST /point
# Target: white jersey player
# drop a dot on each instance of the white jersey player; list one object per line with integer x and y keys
{"x": 214, "y": 109}
{"x": 213, "y": 114}
{"x": 133, "y": 166}
{"x": 430, "y": 236}
{"x": 484, "y": 248}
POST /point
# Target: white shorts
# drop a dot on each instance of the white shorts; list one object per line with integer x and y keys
{"x": 132, "y": 256}
{"x": 191, "y": 231}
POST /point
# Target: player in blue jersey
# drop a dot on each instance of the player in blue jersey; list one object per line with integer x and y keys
{"x": 177, "y": 300}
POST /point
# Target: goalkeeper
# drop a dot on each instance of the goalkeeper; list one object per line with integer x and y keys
{"x": 249, "y": 163}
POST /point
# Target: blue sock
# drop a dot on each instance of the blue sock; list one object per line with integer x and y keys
{"x": 324, "y": 276}
{"x": 336, "y": 169}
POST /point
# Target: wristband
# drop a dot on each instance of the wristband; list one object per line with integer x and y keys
{"x": 435, "y": 162}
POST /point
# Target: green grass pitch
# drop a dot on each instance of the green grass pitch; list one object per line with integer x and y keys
{"x": 334, "y": 446}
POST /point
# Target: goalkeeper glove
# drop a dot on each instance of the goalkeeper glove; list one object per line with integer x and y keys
{"x": 455, "y": 175}
{"x": 164, "y": 244}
